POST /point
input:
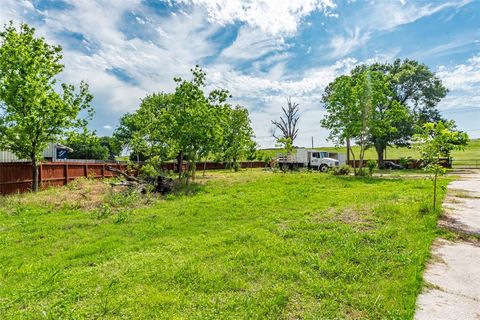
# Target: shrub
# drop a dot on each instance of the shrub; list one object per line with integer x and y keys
{"x": 148, "y": 170}
{"x": 343, "y": 170}
{"x": 371, "y": 164}
{"x": 406, "y": 162}
{"x": 104, "y": 211}
{"x": 361, "y": 172}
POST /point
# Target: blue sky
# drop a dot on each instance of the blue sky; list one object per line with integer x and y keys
{"x": 261, "y": 50}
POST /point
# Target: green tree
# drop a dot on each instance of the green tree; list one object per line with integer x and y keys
{"x": 187, "y": 124}
{"x": 415, "y": 92}
{"x": 237, "y": 136}
{"x": 197, "y": 119}
{"x": 32, "y": 112}
{"x": 358, "y": 108}
{"x": 147, "y": 133}
{"x": 113, "y": 146}
{"x": 252, "y": 152}
{"x": 437, "y": 140}
{"x": 86, "y": 145}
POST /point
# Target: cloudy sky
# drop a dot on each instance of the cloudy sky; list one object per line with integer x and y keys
{"x": 261, "y": 50}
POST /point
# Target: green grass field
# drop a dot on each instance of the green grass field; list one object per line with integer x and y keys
{"x": 245, "y": 245}
{"x": 469, "y": 155}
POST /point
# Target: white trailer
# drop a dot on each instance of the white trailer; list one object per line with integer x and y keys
{"x": 308, "y": 158}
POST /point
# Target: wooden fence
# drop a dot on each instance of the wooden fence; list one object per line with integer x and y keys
{"x": 16, "y": 177}
{"x": 413, "y": 164}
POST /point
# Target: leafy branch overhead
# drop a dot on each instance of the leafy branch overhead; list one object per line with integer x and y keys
{"x": 437, "y": 140}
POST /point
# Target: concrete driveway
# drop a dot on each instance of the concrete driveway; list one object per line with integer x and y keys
{"x": 452, "y": 278}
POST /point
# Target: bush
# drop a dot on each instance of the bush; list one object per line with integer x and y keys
{"x": 148, "y": 170}
{"x": 361, "y": 172}
{"x": 406, "y": 162}
{"x": 371, "y": 164}
{"x": 343, "y": 170}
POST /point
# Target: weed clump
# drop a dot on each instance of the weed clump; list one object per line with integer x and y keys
{"x": 343, "y": 170}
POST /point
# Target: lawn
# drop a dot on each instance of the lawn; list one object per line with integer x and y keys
{"x": 243, "y": 245}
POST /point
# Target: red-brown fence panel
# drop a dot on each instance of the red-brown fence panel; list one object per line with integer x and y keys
{"x": 16, "y": 177}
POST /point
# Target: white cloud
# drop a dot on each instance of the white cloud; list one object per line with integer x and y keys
{"x": 463, "y": 77}
{"x": 463, "y": 81}
{"x": 264, "y": 95}
{"x": 383, "y": 16}
{"x": 179, "y": 41}
{"x": 270, "y": 16}
{"x": 343, "y": 45}
{"x": 252, "y": 44}
{"x": 387, "y": 15}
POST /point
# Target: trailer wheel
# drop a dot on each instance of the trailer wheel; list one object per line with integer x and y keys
{"x": 323, "y": 168}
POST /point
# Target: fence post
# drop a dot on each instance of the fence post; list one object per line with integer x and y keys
{"x": 66, "y": 173}
{"x": 39, "y": 176}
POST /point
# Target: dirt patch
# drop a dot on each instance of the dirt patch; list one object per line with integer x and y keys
{"x": 82, "y": 193}
{"x": 356, "y": 217}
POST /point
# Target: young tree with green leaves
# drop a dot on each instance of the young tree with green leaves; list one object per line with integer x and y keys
{"x": 357, "y": 109}
{"x": 148, "y": 133}
{"x": 32, "y": 112}
{"x": 252, "y": 152}
{"x": 437, "y": 140}
{"x": 187, "y": 124}
{"x": 237, "y": 136}
{"x": 198, "y": 125}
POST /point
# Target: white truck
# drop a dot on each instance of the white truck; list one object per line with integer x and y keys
{"x": 308, "y": 158}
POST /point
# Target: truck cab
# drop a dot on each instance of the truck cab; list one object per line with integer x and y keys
{"x": 319, "y": 160}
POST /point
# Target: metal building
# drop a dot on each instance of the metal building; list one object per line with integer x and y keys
{"x": 54, "y": 152}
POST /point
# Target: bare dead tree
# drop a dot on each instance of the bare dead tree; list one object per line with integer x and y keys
{"x": 288, "y": 126}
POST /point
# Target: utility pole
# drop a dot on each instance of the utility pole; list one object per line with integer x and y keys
{"x": 312, "y": 142}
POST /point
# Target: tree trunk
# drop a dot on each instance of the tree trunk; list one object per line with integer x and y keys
{"x": 435, "y": 190}
{"x": 235, "y": 168}
{"x": 360, "y": 164}
{"x": 380, "y": 159}
{"x": 354, "y": 161}
{"x": 362, "y": 155}
{"x": 193, "y": 164}
{"x": 179, "y": 164}
{"x": 348, "y": 150}
{"x": 204, "y": 167}
{"x": 194, "y": 169}
{"x": 188, "y": 172}
{"x": 34, "y": 174}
